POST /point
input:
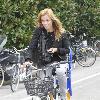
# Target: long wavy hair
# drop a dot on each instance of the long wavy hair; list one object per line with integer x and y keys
{"x": 57, "y": 25}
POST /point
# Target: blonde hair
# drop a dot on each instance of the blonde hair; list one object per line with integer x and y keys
{"x": 57, "y": 25}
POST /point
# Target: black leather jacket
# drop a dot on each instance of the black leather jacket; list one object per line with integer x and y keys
{"x": 62, "y": 45}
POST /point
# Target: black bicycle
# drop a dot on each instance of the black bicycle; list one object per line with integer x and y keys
{"x": 94, "y": 42}
{"x": 82, "y": 53}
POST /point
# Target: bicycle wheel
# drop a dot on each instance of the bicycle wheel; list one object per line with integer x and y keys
{"x": 1, "y": 76}
{"x": 14, "y": 77}
{"x": 86, "y": 56}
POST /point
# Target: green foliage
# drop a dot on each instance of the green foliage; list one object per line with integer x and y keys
{"x": 18, "y": 17}
{"x": 88, "y": 15}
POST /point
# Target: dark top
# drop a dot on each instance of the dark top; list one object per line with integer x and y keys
{"x": 62, "y": 44}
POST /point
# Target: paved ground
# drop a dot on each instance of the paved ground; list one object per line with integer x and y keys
{"x": 85, "y": 85}
{"x": 86, "y": 82}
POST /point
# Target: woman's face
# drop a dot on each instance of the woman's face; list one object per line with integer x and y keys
{"x": 47, "y": 22}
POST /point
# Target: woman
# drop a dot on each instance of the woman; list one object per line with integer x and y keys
{"x": 55, "y": 46}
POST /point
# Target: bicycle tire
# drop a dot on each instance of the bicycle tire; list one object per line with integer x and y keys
{"x": 86, "y": 56}
{"x": 1, "y": 76}
{"x": 14, "y": 78}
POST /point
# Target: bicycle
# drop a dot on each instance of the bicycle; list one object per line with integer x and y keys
{"x": 6, "y": 66}
{"x": 46, "y": 88}
{"x": 17, "y": 72}
{"x": 84, "y": 55}
{"x": 10, "y": 62}
{"x": 5, "y": 61}
{"x": 94, "y": 42}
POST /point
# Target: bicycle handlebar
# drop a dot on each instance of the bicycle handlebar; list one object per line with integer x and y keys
{"x": 53, "y": 65}
{"x": 15, "y": 50}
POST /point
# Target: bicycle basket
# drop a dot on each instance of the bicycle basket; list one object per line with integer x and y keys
{"x": 38, "y": 87}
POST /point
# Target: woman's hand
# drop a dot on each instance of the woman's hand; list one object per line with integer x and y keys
{"x": 26, "y": 63}
{"x": 52, "y": 50}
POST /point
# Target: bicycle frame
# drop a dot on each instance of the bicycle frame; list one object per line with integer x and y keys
{"x": 56, "y": 81}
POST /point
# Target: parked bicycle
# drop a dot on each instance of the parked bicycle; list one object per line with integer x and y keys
{"x": 83, "y": 54}
{"x": 94, "y": 42}
{"x": 19, "y": 70}
{"x": 8, "y": 59}
{"x": 10, "y": 63}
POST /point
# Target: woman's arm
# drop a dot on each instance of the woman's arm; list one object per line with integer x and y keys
{"x": 33, "y": 44}
{"x": 65, "y": 45}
